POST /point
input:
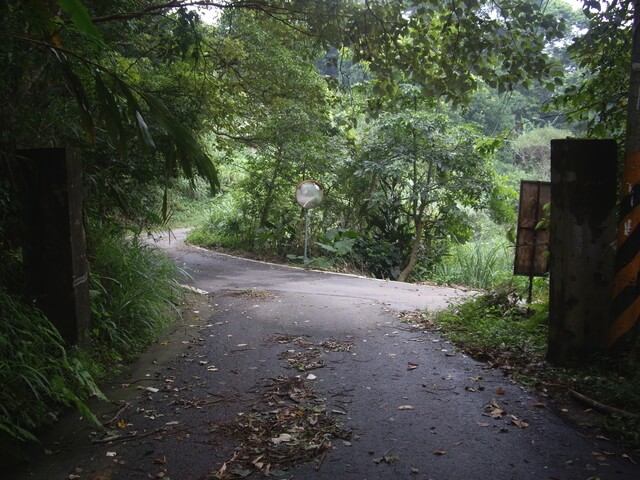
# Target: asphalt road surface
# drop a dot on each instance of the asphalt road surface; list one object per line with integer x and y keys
{"x": 275, "y": 367}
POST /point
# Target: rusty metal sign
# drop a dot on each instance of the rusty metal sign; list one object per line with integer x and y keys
{"x": 532, "y": 243}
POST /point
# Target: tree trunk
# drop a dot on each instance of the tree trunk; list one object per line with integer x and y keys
{"x": 415, "y": 249}
{"x": 268, "y": 201}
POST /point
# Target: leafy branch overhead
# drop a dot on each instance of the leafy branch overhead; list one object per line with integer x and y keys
{"x": 446, "y": 48}
{"x": 107, "y": 101}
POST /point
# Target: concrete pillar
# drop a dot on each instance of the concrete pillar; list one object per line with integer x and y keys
{"x": 54, "y": 247}
{"x": 581, "y": 263}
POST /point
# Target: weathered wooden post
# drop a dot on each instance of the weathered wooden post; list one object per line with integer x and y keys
{"x": 583, "y": 221}
{"x": 54, "y": 247}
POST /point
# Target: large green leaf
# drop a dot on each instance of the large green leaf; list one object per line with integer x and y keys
{"x": 81, "y": 19}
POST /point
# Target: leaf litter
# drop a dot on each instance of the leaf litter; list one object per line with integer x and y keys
{"x": 307, "y": 357}
{"x": 288, "y": 427}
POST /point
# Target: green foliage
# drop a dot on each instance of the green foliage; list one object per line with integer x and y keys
{"x": 133, "y": 292}
{"x": 188, "y": 203}
{"x": 226, "y": 225}
{"x": 338, "y": 241}
{"x": 422, "y": 171}
{"x": 497, "y": 327}
{"x": 378, "y": 257}
{"x": 38, "y": 373}
{"x": 479, "y": 264}
{"x": 596, "y": 94}
{"x": 337, "y": 245}
{"x": 449, "y": 46}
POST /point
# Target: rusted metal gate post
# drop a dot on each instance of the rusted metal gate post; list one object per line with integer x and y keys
{"x": 583, "y": 220}
{"x": 54, "y": 247}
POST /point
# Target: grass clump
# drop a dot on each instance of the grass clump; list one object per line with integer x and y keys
{"x": 479, "y": 264}
{"x": 39, "y": 374}
{"x": 134, "y": 290}
{"x": 499, "y": 328}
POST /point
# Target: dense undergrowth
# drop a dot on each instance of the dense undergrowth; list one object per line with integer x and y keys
{"x": 133, "y": 290}
{"x": 39, "y": 374}
{"x": 133, "y": 295}
{"x": 499, "y": 328}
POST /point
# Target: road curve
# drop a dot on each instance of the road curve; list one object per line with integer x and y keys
{"x": 216, "y": 272}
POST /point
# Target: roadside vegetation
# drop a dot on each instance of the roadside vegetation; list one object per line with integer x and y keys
{"x": 500, "y": 328}
{"x": 212, "y": 125}
{"x": 134, "y": 294}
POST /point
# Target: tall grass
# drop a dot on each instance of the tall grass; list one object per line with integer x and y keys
{"x": 480, "y": 264}
{"x": 37, "y": 373}
{"x": 224, "y": 226}
{"x": 134, "y": 290}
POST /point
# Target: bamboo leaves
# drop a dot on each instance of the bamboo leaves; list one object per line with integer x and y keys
{"x": 187, "y": 148}
{"x": 81, "y": 19}
{"x": 78, "y": 90}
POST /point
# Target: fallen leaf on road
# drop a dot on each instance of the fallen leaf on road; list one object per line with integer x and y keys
{"x": 440, "y": 452}
{"x": 500, "y": 391}
{"x": 412, "y": 366}
{"x": 483, "y": 424}
{"x": 389, "y": 459}
{"x": 497, "y": 413}
{"x": 538, "y": 405}
{"x": 519, "y": 423}
{"x": 283, "y": 437}
{"x": 406, "y": 407}
{"x": 493, "y": 410}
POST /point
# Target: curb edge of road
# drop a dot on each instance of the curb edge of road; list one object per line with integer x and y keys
{"x": 292, "y": 267}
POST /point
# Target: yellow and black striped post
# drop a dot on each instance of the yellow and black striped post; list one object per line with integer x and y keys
{"x": 626, "y": 285}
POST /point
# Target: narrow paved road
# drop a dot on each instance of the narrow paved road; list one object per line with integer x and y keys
{"x": 268, "y": 350}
